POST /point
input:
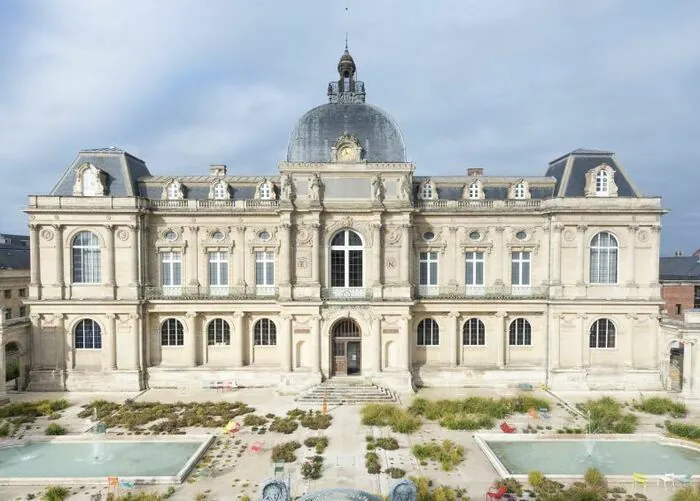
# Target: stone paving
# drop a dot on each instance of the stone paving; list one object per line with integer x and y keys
{"x": 237, "y": 472}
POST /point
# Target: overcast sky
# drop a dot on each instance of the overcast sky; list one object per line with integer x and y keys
{"x": 507, "y": 85}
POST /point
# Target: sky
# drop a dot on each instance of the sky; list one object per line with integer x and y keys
{"x": 507, "y": 85}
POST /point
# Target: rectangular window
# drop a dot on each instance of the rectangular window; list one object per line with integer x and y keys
{"x": 23, "y": 293}
{"x": 520, "y": 268}
{"x": 8, "y": 293}
{"x": 22, "y": 311}
{"x": 696, "y": 303}
{"x": 218, "y": 273}
{"x": 265, "y": 272}
{"x": 337, "y": 268}
{"x": 678, "y": 309}
{"x": 7, "y": 314}
{"x": 428, "y": 268}
{"x": 171, "y": 272}
{"x": 474, "y": 271}
{"x": 355, "y": 268}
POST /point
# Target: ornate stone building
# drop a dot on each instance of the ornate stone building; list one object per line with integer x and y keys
{"x": 345, "y": 262}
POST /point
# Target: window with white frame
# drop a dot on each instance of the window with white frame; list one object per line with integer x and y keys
{"x": 474, "y": 333}
{"x": 427, "y": 191}
{"x": 474, "y": 269}
{"x": 519, "y": 191}
{"x": 86, "y": 258}
{"x": 218, "y": 271}
{"x": 265, "y": 333}
{"x": 264, "y": 269}
{"x": 428, "y": 333}
{"x": 602, "y": 334}
{"x": 172, "y": 333}
{"x": 173, "y": 191}
{"x": 602, "y": 182}
{"x": 520, "y": 268}
{"x": 265, "y": 191}
{"x": 347, "y": 253}
{"x": 171, "y": 269}
{"x": 604, "y": 251}
{"x": 220, "y": 191}
{"x": 474, "y": 191}
{"x": 218, "y": 332}
{"x": 520, "y": 333}
{"x": 88, "y": 335}
{"x": 428, "y": 269}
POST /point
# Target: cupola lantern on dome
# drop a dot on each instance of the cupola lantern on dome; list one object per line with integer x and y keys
{"x": 347, "y": 89}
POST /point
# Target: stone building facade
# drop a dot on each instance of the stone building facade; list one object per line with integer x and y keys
{"x": 345, "y": 262}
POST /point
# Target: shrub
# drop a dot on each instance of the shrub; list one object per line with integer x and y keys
{"x": 535, "y": 478}
{"x": 55, "y": 493}
{"x": 284, "y": 425}
{"x": 311, "y": 468}
{"x": 139, "y": 496}
{"x": 466, "y": 422}
{"x": 5, "y": 430}
{"x": 398, "y": 419}
{"x": 605, "y": 416}
{"x": 426, "y": 490}
{"x": 513, "y": 486}
{"x": 690, "y": 493}
{"x": 662, "y": 405}
{"x": 387, "y": 443}
{"x": 448, "y": 454}
{"x": 253, "y": 420}
{"x": 55, "y": 429}
{"x": 395, "y": 473}
{"x": 31, "y": 410}
{"x": 285, "y": 452}
{"x": 685, "y": 430}
{"x": 372, "y": 463}
{"x": 319, "y": 443}
{"x": 316, "y": 421}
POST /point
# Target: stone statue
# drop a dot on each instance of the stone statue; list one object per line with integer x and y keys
{"x": 287, "y": 187}
{"x": 378, "y": 188}
{"x": 403, "y": 490}
{"x": 315, "y": 188}
{"x": 405, "y": 188}
{"x": 275, "y": 490}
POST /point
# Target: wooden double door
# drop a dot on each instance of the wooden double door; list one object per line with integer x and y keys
{"x": 347, "y": 348}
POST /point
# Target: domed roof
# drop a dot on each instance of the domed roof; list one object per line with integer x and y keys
{"x": 347, "y": 114}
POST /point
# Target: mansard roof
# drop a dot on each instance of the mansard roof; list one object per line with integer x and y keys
{"x": 679, "y": 268}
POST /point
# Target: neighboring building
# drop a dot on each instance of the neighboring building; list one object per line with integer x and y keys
{"x": 345, "y": 263}
{"x": 680, "y": 283}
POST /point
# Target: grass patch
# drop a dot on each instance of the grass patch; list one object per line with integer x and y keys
{"x": 253, "y": 420}
{"x": 319, "y": 443}
{"x": 54, "y": 429}
{"x": 399, "y": 420}
{"x": 27, "y": 412}
{"x": 6, "y": 429}
{"x": 662, "y": 405}
{"x": 606, "y": 416}
{"x": 448, "y": 454}
{"x": 372, "y": 463}
{"x": 427, "y": 490}
{"x": 395, "y": 473}
{"x": 315, "y": 420}
{"x": 684, "y": 430}
{"x": 284, "y": 425}
{"x": 55, "y": 493}
{"x": 285, "y": 452}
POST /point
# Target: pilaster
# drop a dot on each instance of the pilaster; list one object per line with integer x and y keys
{"x": 34, "y": 260}
{"x": 190, "y": 338}
{"x": 285, "y": 264}
{"x": 134, "y": 327}
{"x": 238, "y": 339}
{"x": 286, "y": 344}
{"x": 59, "y": 279}
{"x": 454, "y": 338}
{"x": 405, "y": 344}
{"x": 502, "y": 339}
{"x": 585, "y": 342}
{"x": 109, "y": 282}
{"x": 239, "y": 270}
{"x": 581, "y": 254}
{"x": 688, "y": 376}
{"x": 556, "y": 253}
{"x": 376, "y": 334}
{"x": 406, "y": 261}
{"x": 631, "y": 254}
{"x": 36, "y": 340}
{"x": 192, "y": 244}
{"x": 134, "y": 264}
{"x": 109, "y": 360}
{"x": 315, "y": 343}
{"x": 315, "y": 253}
{"x": 377, "y": 260}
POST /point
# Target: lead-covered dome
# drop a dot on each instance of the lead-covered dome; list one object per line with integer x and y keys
{"x": 346, "y": 115}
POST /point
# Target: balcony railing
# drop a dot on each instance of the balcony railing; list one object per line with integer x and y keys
{"x": 216, "y": 205}
{"x": 210, "y": 293}
{"x": 346, "y": 293}
{"x": 482, "y": 292}
{"x": 466, "y": 205}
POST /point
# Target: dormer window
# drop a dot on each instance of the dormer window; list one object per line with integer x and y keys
{"x": 173, "y": 191}
{"x": 519, "y": 190}
{"x": 265, "y": 191}
{"x": 89, "y": 181}
{"x": 473, "y": 191}
{"x": 219, "y": 190}
{"x": 428, "y": 191}
{"x": 600, "y": 182}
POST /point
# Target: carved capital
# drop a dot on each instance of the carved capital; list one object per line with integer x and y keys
{"x": 110, "y": 316}
{"x": 453, "y": 229}
{"x": 633, "y": 228}
{"x": 376, "y": 226}
{"x": 631, "y": 316}
{"x": 193, "y": 228}
{"x": 582, "y": 227}
{"x": 499, "y": 229}
{"x": 558, "y": 226}
{"x": 287, "y": 317}
{"x": 238, "y": 315}
{"x": 57, "y": 227}
{"x": 190, "y": 315}
{"x": 35, "y": 317}
{"x": 285, "y": 226}
{"x": 453, "y": 315}
{"x": 108, "y": 226}
{"x": 500, "y": 314}
{"x": 134, "y": 316}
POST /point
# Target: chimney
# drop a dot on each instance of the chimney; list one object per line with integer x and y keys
{"x": 679, "y": 253}
{"x": 217, "y": 170}
{"x": 475, "y": 171}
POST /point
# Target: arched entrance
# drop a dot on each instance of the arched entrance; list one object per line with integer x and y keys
{"x": 675, "y": 370}
{"x": 13, "y": 365}
{"x": 347, "y": 348}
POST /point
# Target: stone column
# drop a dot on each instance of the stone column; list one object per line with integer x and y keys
{"x": 134, "y": 264}
{"x": 315, "y": 252}
{"x": 631, "y": 252}
{"x": 3, "y": 390}
{"x": 109, "y": 362}
{"x": 190, "y": 338}
{"x": 60, "y": 323}
{"x": 192, "y": 272}
{"x": 406, "y": 345}
{"x": 556, "y": 253}
{"x": 629, "y": 354}
{"x": 109, "y": 268}
{"x": 376, "y": 254}
{"x": 688, "y": 375}
{"x": 285, "y": 254}
{"x": 239, "y": 269}
{"x": 286, "y": 344}
{"x": 377, "y": 339}
{"x": 59, "y": 260}
{"x": 148, "y": 335}
{"x": 315, "y": 343}
{"x": 454, "y": 338}
{"x": 453, "y": 278}
{"x": 238, "y": 339}
{"x": 34, "y": 271}
{"x": 554, "y": 341}
{"x": 502, "y": 339}
{"x": 205, "y": 344}
{"x": 585, "y": 342}
{"x": 36, "y": 340}
{"x": 582, "y": 258}
{"x": 135, "y": 342}
{"x": 406, "y": 261}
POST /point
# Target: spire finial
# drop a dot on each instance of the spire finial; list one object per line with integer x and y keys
{"x": 346, "y": 41}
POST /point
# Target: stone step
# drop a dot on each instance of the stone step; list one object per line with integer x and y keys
{"x": 348, "y": 392}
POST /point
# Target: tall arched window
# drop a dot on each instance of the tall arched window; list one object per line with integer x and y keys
{"x": 602, "y": 182}
{"x": 520, "y": 333}
{"x": 86, "y": 258}
{"x": 172, "y": 333}
{"x": 474, "y": 332}
{"x": 88, "y": 335}
{"x": 428, "y": 333}
{"x": 602, "y": 334}
{"x": 265, "y": 333}
{"x": 604, "y": 258}
{"x": 346, "y": 260}
{"x": 218, "y": 332}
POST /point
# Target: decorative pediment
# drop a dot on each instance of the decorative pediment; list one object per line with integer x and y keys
{"x": 474, "y": 190}
{"x": 600, "y": 182}
{"x": 89, "y": 181}
{"x": 519, "y": 190}
{"x": 427, "y": 190}
{"x": 173, "y": 190}
{"x": 347, "y": 149}
{"x": 219, "y": 190}
{"x": 265, "y": 190}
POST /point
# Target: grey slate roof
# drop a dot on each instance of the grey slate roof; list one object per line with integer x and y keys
{"x": 570, "y": 172}
{"x": 495, "y": 188}
{"x": 679, "y": 268}
{"x": 14, "y": 252}
{"x": 122, "y": 169}
{"x": 318, "y": 130}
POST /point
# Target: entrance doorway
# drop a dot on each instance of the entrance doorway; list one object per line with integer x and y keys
{"x": 347, "y": 348}
{"x": 676, "y": 366}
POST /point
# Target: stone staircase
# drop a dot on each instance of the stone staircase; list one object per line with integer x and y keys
{"x": 675, "y": 379}
{"x": 346, "y": 391}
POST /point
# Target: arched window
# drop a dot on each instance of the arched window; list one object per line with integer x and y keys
{"x": 474, "y": 332}
{"x": 88, "y": 335}
{"x": 346, "y": 327}
{"x": 265, "y": 332}
{"x": 428, "y": 333}
{"x": 604, "y": 258}
{"x": 602, "y": 182}
{"x": 520, "y": 333}
{"x": 172, "y": 333}
{"x": 218, "y": 332}
{"x": 346, "y": 260}
{"x": 602, "y": 334}
{"x": 474, "y": 191}
{"x": 519, "y": 192}
{"x": 86, "y": 258}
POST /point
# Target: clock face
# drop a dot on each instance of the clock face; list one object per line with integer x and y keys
{"x": 346, "y": 153}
